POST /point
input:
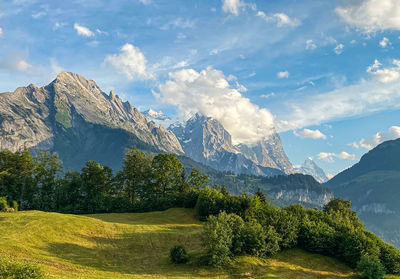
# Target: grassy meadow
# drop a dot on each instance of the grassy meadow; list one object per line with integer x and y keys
{"x": 136, "y": 245}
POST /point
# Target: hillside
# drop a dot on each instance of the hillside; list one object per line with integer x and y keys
{"x": 282, "y": 190}
{"x": 373, "y": 186}
{"x": 136, "y": 245}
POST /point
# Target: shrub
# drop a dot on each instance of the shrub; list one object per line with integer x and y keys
{"x": 253, "y": 236}
{"x": 178, "y": 255}
{"x": 15, "y": 270}
{"x": 3, "y": 204}
{"x": 217, "y": 239}
{"x": 369, "y": 267}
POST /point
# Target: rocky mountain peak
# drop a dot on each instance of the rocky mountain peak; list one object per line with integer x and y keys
{"x": 311, "y": 168}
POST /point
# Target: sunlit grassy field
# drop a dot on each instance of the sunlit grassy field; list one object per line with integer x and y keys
{"x": 136, "y": 245}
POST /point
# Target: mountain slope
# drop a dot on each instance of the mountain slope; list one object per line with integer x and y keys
{"x": 311, "y": 168}
{"x": 205, "y": 140}
{"x": 73, "y": 117}
{"x": 136, "y": 245}
{"x": 282, "y": 190}
{"x": 373, "y": 186}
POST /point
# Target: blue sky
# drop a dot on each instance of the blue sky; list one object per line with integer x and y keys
{"x": 323, "y": 73}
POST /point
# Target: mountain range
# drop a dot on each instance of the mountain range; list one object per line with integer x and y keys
{"x": 205, "y": 140}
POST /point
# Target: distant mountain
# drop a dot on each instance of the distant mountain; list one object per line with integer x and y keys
{"x": 311, "y": 168}
{"x": 373, "y": 186}
{"x": 74, "y": 118}
{"x": 156, "y": 115}
{"x": 282, "y": 190}
{"x": 205, "y": 140}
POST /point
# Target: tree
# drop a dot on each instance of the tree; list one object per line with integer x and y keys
{"x": 369, "y": 267}
{"x": 167, "y": 175}
{"x": 217, "y": 239}
{"x": 135, "y": 174}
{"x": 96, "y": 186}
{"x": 46, "y": 170}
{"x": 261, "y": 196}
{"x": 197, "y": 180}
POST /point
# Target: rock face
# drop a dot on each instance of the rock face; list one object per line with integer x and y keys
{"x": 205, "y": 140}
{"x": 73, "y": 114}
{"x": 311, "y": 168}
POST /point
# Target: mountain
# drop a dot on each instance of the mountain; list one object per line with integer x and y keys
{"x": 282, "y": 190}
{"x": 311, "y": 168}
{"x": 373, "y": 186}
{"x": 74, "y": 118}
{"x": 155, "y": 115}
{"x": 205, "y": 140}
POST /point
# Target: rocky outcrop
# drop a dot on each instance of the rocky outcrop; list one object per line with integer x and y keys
{"x": 204, "y": 139}
{"x": 71, "y": 108}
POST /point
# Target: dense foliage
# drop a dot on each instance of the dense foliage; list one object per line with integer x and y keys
{"x": 145, "y": 183}
{"x": 369, "y": 267}
{"x": 251, "y": 226}
{"x": 178, "y": 254}
{"x": 15, "y": 270}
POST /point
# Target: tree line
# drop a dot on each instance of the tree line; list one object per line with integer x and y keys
{"x": 146, "y": 182}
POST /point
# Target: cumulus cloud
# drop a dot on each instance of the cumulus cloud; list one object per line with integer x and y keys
{"x": 211, "y": 93}
{"x": 310, "y": 45}
{"x": 339, "y": 49}
{"x": 1, "y": 32}
{"x": 378, "y": 138}
{"x": 83, "y": 31}
{"x": 384, "y": 42}
{"x": 280, "y": 19}
{"x": 307, "y": 133}
{"x": 284, "y": 74}
{"x": 130, "y": 62}
{"x": 232, "y": 6}
{"x": 385, "y": 75}
{"x": 16, "y": 62}
{"x": 370, "y": 15}
{"x": 330, "y": 157}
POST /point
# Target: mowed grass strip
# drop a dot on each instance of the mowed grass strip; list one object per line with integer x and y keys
{"x": 136, "y": 245}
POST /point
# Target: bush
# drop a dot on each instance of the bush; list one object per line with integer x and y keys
{"x": 178, "y": 255}
{"x": 3, "y": 204}
{"x": 369, "y": 267}
{"x": 14, "y": 205}
{"x": 14, "y": 270}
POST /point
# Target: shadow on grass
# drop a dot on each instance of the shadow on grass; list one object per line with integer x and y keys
{"x": 134, "y": 254}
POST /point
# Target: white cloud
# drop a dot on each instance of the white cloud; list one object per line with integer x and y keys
{"x": 378, "y": 138}
{"x": 307, "y": 133}
{"x": 179, "y": 23}
{"x": 211, "y": 93}
{"x": 310, "y": 45}
{"x": 385, "y": 75}
{"x": 338, "y": 49}
{"x": 1, "y": 32}
{"x": 370, "y": 15}
{"x": 330, "y": 157}
{"x": 39, "y": 14}
{"x": 284, "y": 74}
{"x": 380, "y": 93}
{"x": 16, "y": 62}
{"x": 266, "y": 96}
{"x": 58, "y": 25}
{"x": 181, "y": 64}
{"x": 384, "y": 42}
{"x": 232, "y": 6}
{"x": 130, "y": 62}
{"x": 83, "y": 31}
{"x": 280, "y": 19}
{"x": 145, "y": 2}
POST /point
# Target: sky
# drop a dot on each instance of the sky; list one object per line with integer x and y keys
{"x": 325, "y": 74}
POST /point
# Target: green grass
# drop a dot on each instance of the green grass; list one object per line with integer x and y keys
{"x": 136, "y": 245}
